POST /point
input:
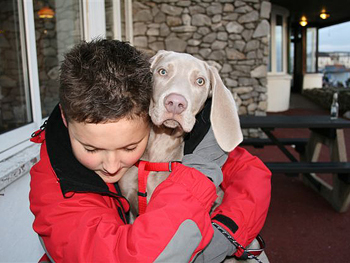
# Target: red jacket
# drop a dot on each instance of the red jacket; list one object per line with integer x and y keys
{"x": 82, "y": 220}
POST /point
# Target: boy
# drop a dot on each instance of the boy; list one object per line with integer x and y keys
{"x": 99, "y": 130}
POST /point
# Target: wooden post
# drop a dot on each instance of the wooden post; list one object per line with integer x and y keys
{"x": 339, "y": 193}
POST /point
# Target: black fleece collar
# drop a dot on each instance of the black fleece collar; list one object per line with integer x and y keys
{"x": 73, "y": 176}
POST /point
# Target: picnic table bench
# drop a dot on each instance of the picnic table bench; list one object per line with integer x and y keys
{"x": 324, "y": 131}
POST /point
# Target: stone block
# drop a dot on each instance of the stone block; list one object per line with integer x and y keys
{"x": 210, "y": 38}
{"x": 203, "y": 30}
{"x": 228, "y": 8}
{"x": 234, "y": 27}
{"x": 231, "y": 82}
{"x": 171, "y": 10}
{"x": 259, "y": 72}
{"x": 205, "y": 52}
{"x": 265, "y": 9}
{"x": 183, "y": 29}
{"x": 249, "y": 17}
{"x": 239, "y": 45}
{"x": 222, "y": 36}
{"x": 183, "y": 3}
{"x": 140, "y": 41}
{"x": 216, "y": 18}
{"x": 164, "y": 30}
{"x": 140, "y": 29}
{"x": 173, "y": 21}
{"x": 243, "y": 9}
{"x": 234, "y": 54}
{"x": 262, "y": 30}
{"x": 218, "y": 45}
{"x": 252, "y": 45}
{"x": 201, "y": 20}
{"x": 226, "y": 68}
{"x": 160, "y": 17}
{"x": 196, "y": 10}
{"x": 153, "y": 32}
{"x": 159, "y": 45}
{"x": 214, "y": 9}
{"x": 217, "y": 55}
{"x": 186, "y": 19}
{"x": 175, "y": 44}
{"x": 194, "y": 42}
{"x": 144, "y": 15}
{"x": 231, "y": 17}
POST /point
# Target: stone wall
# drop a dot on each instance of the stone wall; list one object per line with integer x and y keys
{"x": 231, "y": 35}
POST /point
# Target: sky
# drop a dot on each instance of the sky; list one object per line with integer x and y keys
{"x": 335, "y": 38}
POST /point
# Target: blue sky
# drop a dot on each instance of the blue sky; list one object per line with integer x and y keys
{"x": 335, "y": 38}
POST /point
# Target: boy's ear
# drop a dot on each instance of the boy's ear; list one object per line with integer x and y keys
{"x": 63, "y": 117}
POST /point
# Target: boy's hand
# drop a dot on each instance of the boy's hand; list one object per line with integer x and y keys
{"x": 202, "y": 150}
{"x": 217, "y": 250}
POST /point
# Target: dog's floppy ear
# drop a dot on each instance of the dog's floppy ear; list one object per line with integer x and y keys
{"x": 224, "y": 117}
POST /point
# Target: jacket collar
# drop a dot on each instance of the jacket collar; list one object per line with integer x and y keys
{"x": 73, "y": 176}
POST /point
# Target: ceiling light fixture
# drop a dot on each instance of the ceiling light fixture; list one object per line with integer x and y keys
{"x": 303, "y": 21}
{"x": 324, "y": 14}
{"x": 46, "y": 12}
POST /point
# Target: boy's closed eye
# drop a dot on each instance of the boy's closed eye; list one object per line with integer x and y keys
{"x": 129, "y": 148}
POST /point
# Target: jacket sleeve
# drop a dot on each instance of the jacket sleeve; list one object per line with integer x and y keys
{"x": 87, "y": 227}
{"x": 247, "y": 194}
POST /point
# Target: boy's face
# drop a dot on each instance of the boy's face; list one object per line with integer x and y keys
{"x": 109, "y": 149}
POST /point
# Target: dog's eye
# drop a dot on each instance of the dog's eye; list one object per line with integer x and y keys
{"x": 200, "y": 81}
{"x": 162, "y": 72}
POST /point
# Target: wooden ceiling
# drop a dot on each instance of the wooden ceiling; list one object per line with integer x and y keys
{"x": 338, "y": 10}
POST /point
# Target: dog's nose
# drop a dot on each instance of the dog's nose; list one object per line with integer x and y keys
{"x": 175, "y": 103}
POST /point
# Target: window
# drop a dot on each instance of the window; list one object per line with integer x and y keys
{"x": 311, "y": 46}
{"x": 15, "y": 102}
{"x": 34, "y": 36}
{"x": 278, "y": 40}
{"x": 279, "y": 43}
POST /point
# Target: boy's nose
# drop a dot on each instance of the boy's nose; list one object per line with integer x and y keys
{"x": 111, "y": 164}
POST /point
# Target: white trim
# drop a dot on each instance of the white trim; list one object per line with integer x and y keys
{"x": 94, "y": 19}
{"x": 32, "y": 61}
{"x": 117, "y": 25}
{"x": 16, "y": 137}
{"x": 129, "y": 34}
{"x": 18, "y": 165}
{"x": 85, "y": 19}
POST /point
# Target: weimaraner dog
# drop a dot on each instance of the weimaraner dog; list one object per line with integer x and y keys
{"x": 182, "y": 84}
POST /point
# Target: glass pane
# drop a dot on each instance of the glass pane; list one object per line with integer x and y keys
{"x": 57, "y": 30}
{"x": 291, "y": 53}
{"x": 112, "y": 19}
{"x": 279, "y": 43}
{"x": 270, "y": 52}
{"x": 15, "y": 105}
{"x": 311, "y": 41}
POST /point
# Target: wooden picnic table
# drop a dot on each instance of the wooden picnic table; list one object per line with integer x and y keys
{"x": 324, "y": 131}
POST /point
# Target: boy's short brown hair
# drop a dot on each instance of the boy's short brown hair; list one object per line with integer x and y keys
{"x": 104, "y": 80}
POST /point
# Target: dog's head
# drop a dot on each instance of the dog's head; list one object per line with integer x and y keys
{"x": 182, "y": 84}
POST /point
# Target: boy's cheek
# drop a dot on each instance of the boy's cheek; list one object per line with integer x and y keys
{"x": 88, "y": 161}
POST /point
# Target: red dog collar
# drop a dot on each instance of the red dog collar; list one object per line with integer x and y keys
{"x": 144, "y": 169}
